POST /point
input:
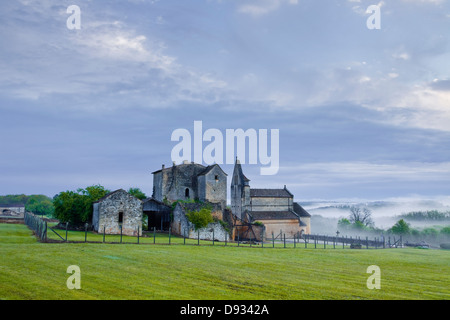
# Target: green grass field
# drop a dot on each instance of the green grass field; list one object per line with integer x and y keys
{"x": 31, "y": 270}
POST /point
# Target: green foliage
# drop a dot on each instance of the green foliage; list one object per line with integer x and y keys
{"x": 137, "y": 193}
{"x": 426, "y": 215}
{"x": 38, "y": 204}
{"x": 445, "y": 231}
{"x": 13, "y": 199}
{"x": 430, "y": 232}
{"x": 200, "y": 219}
{"x": 258, "y": 223}
{"x": 401, "y": 227}
{"x": 76, "y": 207}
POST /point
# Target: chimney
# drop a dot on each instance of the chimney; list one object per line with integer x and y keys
{"x": 163, "y": 167}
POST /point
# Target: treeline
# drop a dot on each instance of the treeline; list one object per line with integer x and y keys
{"x": 76, "y": 208}
{"x": 430, "y": 215}
{"x": 38, "y": 204}
{"x": 67, "y": 206}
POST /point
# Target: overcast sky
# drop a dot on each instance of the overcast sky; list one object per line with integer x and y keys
{"x": 362, "y": 113}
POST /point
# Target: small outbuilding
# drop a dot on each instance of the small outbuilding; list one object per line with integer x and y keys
{"x": 118, "y": 212}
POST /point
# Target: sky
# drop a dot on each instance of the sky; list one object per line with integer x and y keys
{"x": 362, "y": 113}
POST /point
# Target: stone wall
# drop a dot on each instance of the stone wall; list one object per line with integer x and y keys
{"x": 271, "y": 204}
{"x": 288, "y": 227}
{"x": 108, "y": 210}
{"x": 182, "y": 227}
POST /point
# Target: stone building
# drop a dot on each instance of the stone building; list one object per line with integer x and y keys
{"x": 12, "y": 210}
{"x": 275, "y": 208}
{"x": 117, "y": 210}
{"x": 190, "y": 181}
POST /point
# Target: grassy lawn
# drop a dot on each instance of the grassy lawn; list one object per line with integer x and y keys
{"x": 33, "y": 270}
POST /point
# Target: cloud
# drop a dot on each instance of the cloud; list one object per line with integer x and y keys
{"x": 262, "y": 7}
{"x": 107, "y": 58}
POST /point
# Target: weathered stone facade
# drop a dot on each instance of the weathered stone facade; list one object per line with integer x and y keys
{"x": 190, "y": 181}
{"x": 181, "y": 225}
{"x": 118, "y": 209}
{"x": 13, "y": 211}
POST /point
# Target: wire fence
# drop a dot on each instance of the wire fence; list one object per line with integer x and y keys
{"x": 47, "y": 233}
{"x": 37, "y": 224}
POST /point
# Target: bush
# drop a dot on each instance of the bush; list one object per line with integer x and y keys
{"x": 445, "y": 231}
{"x": 200, "y": 219}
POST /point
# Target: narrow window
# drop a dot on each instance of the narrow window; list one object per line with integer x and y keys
{"x": 217, "y": 177}
{"x": 120, "y": 217}
{"x": 186, "y": 193}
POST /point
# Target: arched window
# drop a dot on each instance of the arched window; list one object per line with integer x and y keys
{"x": 186, "y": 193}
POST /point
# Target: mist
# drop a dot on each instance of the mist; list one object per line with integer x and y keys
{"x": 385, "y": 213}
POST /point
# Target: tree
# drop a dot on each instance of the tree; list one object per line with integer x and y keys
{"x": 361, "y": 218}
{"x": 344, "y": 224}
{"x": 76, "y": 207}
{"x": 40, "y": 205}
{"x": 137, "y": 193}
{"x": 401, "y": 227}
{"x": 200, "y": 219}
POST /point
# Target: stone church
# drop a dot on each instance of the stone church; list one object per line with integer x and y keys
{"x": 275, "y": 208}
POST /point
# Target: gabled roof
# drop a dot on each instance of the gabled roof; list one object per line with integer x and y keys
{"x": 209, "y": 168}
{"x": 180, "y": 166}
{"x": 300, "y": 211}
{"x": 114, "y": 192}
{"x": 270, "y": 193}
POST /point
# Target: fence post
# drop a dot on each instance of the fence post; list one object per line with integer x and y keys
{"x": 138, "y": 234}
{"x": 284, "y": 240}
{"x": 198, "y": 237}
{"x": 154, "y": 235}
{"x": 213, "y": 236}
{"x": 104, "y": 229}
{"x": 262, "y": 238}
{"x": 45, "y": 231}
{"x": 273, "y": 241}
{"x": 306, "y": 246}
{"x": 85, "y": 232}
{"x": 294, "y": 241}
{"x": 120, "y": 233}
{"x": 184, "y": 236}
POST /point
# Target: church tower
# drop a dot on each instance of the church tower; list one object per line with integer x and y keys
{"x": 240, "y": 191}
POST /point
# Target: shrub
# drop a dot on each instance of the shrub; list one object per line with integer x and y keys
{"x": 200, "y": 219}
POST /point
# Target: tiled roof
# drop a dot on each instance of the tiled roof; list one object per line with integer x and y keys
{"x": 300, "y": 211}
{"x": 273, "y": 215}
{"x": 272, "y": 193}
